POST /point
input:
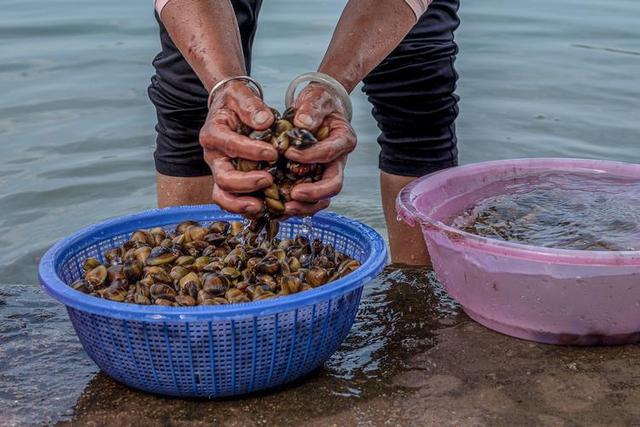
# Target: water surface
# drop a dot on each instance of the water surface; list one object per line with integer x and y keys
{"x": 562, "y": 210}
{"x": 45, "y": 373}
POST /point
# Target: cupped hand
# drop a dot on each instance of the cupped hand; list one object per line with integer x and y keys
{"x": 234, "y": 105}
{"x": 307, "y": 199}
{"x": 318, "y": 107}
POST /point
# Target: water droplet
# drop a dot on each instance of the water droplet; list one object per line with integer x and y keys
{"x": 307, "y": 228}
{"x": 244, "y": 232}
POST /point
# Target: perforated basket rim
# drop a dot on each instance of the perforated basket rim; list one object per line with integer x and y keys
{"x": 53, "y": 285}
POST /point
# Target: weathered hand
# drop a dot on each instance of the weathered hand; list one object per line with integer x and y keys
{"x": 311, "y": 198}
{"x": 318, "y": 107}
{"x": 234, "y": 105}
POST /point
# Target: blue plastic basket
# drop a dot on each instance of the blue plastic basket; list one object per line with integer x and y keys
{"x": 211, "y": 351}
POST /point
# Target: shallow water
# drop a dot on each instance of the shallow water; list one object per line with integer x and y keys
{"x": 45, "y": 372}
{"x": 541, "y": 78}
{"x": 561, "y": 210}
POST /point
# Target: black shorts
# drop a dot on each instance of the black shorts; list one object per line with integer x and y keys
{"x": 412, "y": 93}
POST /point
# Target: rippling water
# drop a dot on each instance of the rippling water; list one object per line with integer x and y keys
{"x": 45, "y": 374}
{"x": 541, "y": 78}
{"x": 560, "y": 210}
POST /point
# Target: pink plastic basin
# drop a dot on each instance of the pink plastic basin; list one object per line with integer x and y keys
{"x": 554, "y": 296}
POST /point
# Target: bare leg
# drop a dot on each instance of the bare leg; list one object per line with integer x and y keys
{"x": 180, "y": 191}
{"x": 406, "y": 243}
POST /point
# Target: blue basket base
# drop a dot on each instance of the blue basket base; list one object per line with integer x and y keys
{"x": 217, "y": 359}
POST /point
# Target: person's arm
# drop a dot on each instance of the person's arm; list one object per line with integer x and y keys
{"x": 206, "y": 33}
{"x": 367, "y": 32}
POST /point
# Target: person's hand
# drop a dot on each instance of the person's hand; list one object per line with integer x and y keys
{"x": 318, "y": 107}
{"x": 236, "y": 104}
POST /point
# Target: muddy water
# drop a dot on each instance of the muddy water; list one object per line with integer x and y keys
{"x": 47, "y": 377}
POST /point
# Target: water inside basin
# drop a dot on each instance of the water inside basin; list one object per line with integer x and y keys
{"x": 596, "y": 212}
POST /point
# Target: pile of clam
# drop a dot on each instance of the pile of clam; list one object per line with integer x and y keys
{"x": 286, "y": 173}
{"x": 218, "y": 263}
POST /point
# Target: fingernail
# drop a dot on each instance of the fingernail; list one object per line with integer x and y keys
{"x": 305, "y": 120}
{"x": 267, "y": 154}
{"x": 261, "y": 117}
{"x": 262, "y": 182}
{"x": 248, "y": 210}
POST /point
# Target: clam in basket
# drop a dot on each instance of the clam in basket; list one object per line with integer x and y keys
{"x": 211, "y": 351}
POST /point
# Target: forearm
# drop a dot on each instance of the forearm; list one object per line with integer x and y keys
{"x": 206, "y": 33}
{"x": 367, "y": 32}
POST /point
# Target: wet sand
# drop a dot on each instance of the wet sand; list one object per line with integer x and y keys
{"x": 412, "y": 358}
{"x": 471, "y": 376}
